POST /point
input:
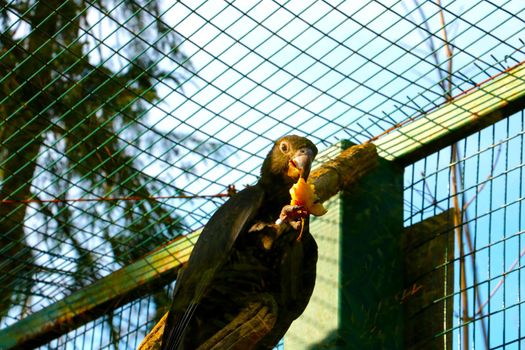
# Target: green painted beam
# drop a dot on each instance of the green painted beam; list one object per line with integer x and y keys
{"x": 128, "y": 283}
{"x": 491, "y": 101}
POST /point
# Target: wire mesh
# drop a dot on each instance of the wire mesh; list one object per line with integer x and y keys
{"x": 122, "y": 327}
{"x": 122, "y": 120}
{"x": 489, "y": 165}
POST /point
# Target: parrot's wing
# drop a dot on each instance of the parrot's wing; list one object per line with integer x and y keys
{"x": 209, "y": 254}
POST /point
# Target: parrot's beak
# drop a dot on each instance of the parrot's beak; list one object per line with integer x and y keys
{"x": 301, "y": 163}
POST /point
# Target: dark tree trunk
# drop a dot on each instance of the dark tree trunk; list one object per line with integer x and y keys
{"x": 26, "y": 117}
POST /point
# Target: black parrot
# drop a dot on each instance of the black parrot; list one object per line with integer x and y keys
{"x": 252, "y": 271}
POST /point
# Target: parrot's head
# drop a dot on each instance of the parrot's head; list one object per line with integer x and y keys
{"x": 290, "y": 158}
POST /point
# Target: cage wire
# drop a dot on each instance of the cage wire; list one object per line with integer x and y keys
{"x": 489, "y": 166}
{"x": 124, "y": 122}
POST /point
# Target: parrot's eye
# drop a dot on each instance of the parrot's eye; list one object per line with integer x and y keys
{"x": 284, "y": 147}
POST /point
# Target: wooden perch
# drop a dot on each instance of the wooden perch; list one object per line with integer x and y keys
{"x": 338, "y": 173}
{"x": 329, "y": 178}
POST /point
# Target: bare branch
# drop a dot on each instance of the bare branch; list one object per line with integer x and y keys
{"x": 493, "y": 167}
{"x": 459, "y": 238}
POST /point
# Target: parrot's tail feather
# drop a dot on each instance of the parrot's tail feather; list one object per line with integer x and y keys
{"x": 181, "y": 326}
{"x": 185, "y": 320}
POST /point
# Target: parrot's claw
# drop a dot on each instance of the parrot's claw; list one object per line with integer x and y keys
{"x": 292, "y": 214}
{"x": 295, "y": 224}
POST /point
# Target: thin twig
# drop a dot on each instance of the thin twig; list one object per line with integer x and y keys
{"x": 472, "y": 251}
{"x": 431, "y": 45}
{"x": 448, "y": 51}
{"x": 458, "y": 214}
{"x": 429, "y": 193}
{"x": 493, "y": 167}
{"x": 459, "y": 238}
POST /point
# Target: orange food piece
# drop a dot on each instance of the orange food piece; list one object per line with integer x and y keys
{"x": 303, "y": 194}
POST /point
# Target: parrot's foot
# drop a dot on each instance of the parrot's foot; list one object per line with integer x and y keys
{"x": 292, "y": 214}
{"x": 245, "y": 330}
